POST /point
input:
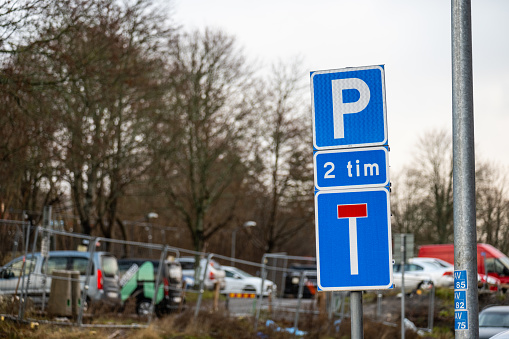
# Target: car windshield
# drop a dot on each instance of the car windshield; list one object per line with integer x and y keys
{"x": 242, "y": 273}
{"x": 494, "y": 319}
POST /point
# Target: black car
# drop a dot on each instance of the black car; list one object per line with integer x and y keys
{"x": 138, "y": 281}
{"x": 292, "y": 280}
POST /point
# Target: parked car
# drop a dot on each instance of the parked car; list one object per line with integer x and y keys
{"x": 292, "y": 281}
{"x": 493, "y": 320}
{"x": 238, "y": 281}
{"x": 415, "y": 278}
{"x": 490, "y": 262}
{"x": 138, "y": 277}
{"x": 440, "y": 272}
{"x": 104, "y": 278}
{"x": 486, "y": 282}
{"x": 501, "y": 335}
{"x": 214, "y": 272}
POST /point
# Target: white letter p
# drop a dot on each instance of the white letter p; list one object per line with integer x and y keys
{"x": 339, "y": 108}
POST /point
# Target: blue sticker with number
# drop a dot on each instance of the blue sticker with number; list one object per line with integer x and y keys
{"x": 460, "y": 280}
{"x": 461, "y": 320}
{"x": 460, "y": 300}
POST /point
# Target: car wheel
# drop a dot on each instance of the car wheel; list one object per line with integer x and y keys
{"x": 249, "y": 289}
{"x": 425, "y": 285}
{"x": 143, "y": 307}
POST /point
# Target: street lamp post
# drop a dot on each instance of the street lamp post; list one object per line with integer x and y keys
{"x": 151, "y": 215}
{"x": 234, "y": 236}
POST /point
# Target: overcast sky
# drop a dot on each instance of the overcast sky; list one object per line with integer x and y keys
{"x": 411, "y": 38}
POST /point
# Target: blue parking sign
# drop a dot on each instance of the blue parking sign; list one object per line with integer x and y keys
{"x": 349, "y": 108}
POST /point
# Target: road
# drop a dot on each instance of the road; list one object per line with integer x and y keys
{"x": 246, "y": 307}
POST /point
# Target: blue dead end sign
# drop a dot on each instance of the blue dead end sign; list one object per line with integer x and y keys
{"x": 353, "y": 239}
{"x": 349, "y": 107}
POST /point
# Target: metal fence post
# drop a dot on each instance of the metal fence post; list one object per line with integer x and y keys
{"x": 91, "y": 250}
{"x": 24, "y": 290}
{"x": 259, "y": 306}
{"x": 202, "y": 280}
{"x": 431, "y": 312}
{"x": 156, "y": 284}
{"x": 299, "y": 299}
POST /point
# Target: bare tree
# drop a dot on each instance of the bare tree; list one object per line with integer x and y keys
{"x": 204, "y": 132}
{"x": 492, "y": 206}
{"x": 108, "y": 63}
{"x": 283, "y": 158}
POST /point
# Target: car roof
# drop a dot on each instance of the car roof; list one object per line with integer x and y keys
{"x": 500, "y": 308}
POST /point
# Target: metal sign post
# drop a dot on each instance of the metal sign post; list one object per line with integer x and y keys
{"x": 351, "y": 168}
{"x": 465, "y": 238}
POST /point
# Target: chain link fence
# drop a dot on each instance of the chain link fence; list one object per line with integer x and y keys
{"x": 54, "y": 276}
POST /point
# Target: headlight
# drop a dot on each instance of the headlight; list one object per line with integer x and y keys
{"x": 295, "y": 280}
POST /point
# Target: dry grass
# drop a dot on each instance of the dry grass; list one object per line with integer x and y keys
{"x": 210, "y": 324}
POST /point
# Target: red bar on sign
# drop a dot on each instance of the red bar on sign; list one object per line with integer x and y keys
{"x": 353, "y": 211}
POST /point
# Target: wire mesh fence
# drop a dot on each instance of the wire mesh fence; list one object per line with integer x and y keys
{"x": 54, "y": 276}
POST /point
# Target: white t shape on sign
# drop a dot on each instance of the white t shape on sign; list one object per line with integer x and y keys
{"x": 352, "y": 212}
{"x": 340, "y": 108}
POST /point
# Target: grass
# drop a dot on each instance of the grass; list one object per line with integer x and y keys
{"x": 219, "y": 324}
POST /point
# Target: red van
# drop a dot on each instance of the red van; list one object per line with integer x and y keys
{"x": 490, "y": 260}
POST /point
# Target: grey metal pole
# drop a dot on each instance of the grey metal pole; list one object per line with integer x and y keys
{"x": 431, "y": 311}
{"x": 260, "y": 297}
{"x": 465, "y": 237}
{"x": 356, "y": 314}
{"x": 299, "y": 300}
{"x": 379, "y": 306}
{"x": 91, "y": 250}
{"x": 203, "y": 275}
{"x": 234, "y": 238}
{"x": 153, "y": 303}
{"x": 403, "y": 261}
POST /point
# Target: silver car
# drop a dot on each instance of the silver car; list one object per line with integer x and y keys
{"x": 36, "y": 272}
{"x": 214, "y": 272}
{"x": 493, "y": 320}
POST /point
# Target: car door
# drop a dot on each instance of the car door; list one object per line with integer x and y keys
{"x": 234, "y": 282}
{"x": 15, "y": 274}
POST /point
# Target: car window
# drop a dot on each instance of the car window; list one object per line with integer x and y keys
{"x": 187, "y": 265}
{"x": 79, "y": 264}
{"x": 16, "y": 269}
{"x": 494, "y": 265}
{"x": 413, "y": 267}
{"x": 229, "y": 274}
{"x": 109, "y": 266}
{"x": 494, "y": 319}
{"x": 245, "y": 274}
{"x": 54, "y": 263}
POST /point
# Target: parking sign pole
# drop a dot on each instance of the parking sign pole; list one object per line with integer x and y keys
{"x": 465, "y": 243}
{"x": 356, "y": 310}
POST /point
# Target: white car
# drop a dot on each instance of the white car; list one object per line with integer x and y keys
{"x": 483, "y": 281}
{"x": 214, "y": 273}
{"x": 440, "y": 272}
{"x": 423, "y": 273}
{"x": 238, "y": 281}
